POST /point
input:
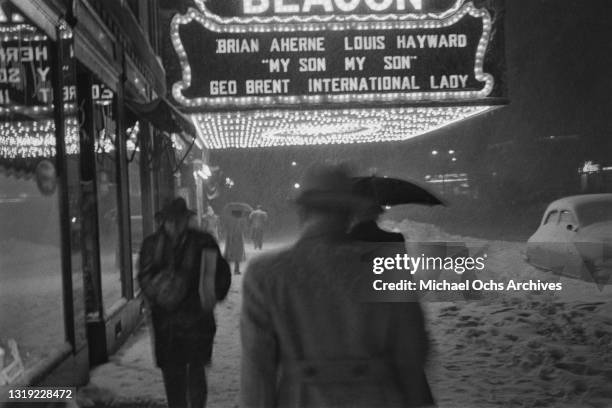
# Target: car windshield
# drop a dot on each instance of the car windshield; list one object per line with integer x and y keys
{"x": 591, "y": 213}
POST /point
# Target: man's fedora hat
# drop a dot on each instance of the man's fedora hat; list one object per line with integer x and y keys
{"x": 329, "y": 187}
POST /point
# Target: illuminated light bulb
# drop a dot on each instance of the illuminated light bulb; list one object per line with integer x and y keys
{"x": 276, "y": 128}
{"x": 319, "y": 23}
{"x": 23, "y": 140}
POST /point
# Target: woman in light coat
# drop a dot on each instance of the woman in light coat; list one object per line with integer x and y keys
{"x": 234, "y": 227}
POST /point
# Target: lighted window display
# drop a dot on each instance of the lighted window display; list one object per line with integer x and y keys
{"x": 108, "y": 204}
{"x": 35, "y": 139}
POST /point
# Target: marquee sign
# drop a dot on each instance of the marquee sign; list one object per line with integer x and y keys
{"x": 25, "y": 70}
{"x": 260, "y": 73}
{"x": 280, "y": 9}
{"x": 249, "y": 53}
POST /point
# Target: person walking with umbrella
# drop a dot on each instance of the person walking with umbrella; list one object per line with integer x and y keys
{"x": 384, "y": 191}
{"x": 308, "y": 338}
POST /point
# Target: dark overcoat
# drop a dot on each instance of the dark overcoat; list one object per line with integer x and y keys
{"x": 369, "y": 231}
{"x": 185, "y": 335}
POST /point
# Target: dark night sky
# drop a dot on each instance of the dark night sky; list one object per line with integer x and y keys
{"x": 559, "y": 64}
{"x": 560, "y": 59}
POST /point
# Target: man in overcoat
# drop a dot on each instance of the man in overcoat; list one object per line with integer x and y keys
{"x": 183, "y": 335}
{"x": 308, "y": 338}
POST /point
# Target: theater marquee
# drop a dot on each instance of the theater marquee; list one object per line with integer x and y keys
{"x": 290, "y": 54}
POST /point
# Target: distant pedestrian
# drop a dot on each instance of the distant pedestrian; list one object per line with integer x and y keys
{"x": 258, "y": 220}
{"x": 308, "y": 339}
{"x": 211, "y": 223}
{"x": 234, "y": 228}
{"x": 182, "y": 275}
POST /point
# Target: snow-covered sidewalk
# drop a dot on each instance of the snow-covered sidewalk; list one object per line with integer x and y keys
{"x": 130, "y": 378}
{"x": 523, "y": 349}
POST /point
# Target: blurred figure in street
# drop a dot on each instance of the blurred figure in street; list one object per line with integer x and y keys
{"x": 234, "y": 228}
{"x": 308, "y": 338}
{"x": 182, "y": 275}
{"x": 366, "y": 227}
{"x": 211, "y": 223}
{"x": 385, "y": 191}
{"x": 386, "y": 244}
{"x": 258, "y": 220}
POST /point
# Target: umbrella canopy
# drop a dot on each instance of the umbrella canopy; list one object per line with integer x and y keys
{"x": 233, "y": 208}
{"x": 390, "y": 191}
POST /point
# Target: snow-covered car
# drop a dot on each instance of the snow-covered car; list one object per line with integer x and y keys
{"x": 575, "y": 238}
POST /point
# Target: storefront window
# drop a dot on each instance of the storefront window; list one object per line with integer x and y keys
{"x": 108, "y": 205}
{"x": 30, "y": 264}
{"x": 30, "y": 260}
{"x": 31, "y": 305}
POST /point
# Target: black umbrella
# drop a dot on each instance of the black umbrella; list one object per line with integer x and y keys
{"x": 390, "y": 191}
{"x": 240, "y": 209}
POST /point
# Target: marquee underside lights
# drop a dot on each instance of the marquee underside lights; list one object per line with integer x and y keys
{"x": 267, "y": 128}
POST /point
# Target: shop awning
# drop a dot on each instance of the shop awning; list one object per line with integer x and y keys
{"x": 164, "y": 116}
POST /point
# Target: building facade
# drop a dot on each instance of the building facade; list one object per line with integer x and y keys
{"x": 87, "y": 156}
